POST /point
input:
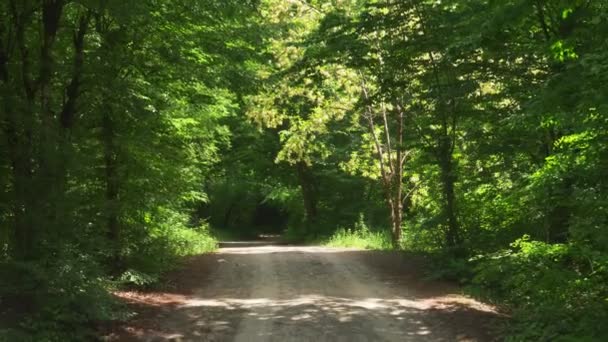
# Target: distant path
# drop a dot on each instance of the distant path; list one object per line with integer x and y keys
{"x": 255, "y": 292}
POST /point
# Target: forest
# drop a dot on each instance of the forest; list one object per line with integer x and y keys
{"x": 135, "y": 133}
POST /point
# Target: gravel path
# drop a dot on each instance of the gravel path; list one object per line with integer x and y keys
{"x": 288, "y": 293}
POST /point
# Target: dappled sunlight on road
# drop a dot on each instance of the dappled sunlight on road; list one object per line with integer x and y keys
{"x": 323, "y": 318}
{"x": 270, "y": 249}
{"x": 396, "y": 305}
{"x": 269, "y": 292}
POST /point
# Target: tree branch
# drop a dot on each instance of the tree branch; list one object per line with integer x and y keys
{"x": 385, "y": 178}
{"x": 388, "y": 139}
{"x": 540, "y": 13}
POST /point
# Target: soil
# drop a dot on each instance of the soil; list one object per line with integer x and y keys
{"x": 258, "y": 292}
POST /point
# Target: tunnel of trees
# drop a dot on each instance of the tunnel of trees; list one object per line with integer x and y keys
{"x": 472, "y": 130}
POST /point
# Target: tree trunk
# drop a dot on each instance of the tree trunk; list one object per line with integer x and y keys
{"x": 22, "y": 209}
{"x": 228, "y": 215}
{"x": 391, "y": 170}
{"x": 18, "y": 119}
{"x": 112, "y": 191}
{"x": 396, "y": 219}
{"x": 559, "y": 215}
{"x": 309, "y": 192}
{"x": 398, "y": 179}
{"x": 448, "y": 179}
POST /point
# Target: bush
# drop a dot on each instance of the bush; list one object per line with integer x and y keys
{"x": 168, "y": 239}
{"x": 64, "y": 294}
{"x": 558, "y": 291}
{"x": 56, "y": 301}
{"x": 360, "y": 236}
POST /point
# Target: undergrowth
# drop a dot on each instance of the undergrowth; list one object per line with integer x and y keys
{"x": 360, "y": 236}
{"x": 67, "y": 296}
{"x": 559, "y": 292}
{"x": 553, "y": 292}
{"x": 160, "y": 253}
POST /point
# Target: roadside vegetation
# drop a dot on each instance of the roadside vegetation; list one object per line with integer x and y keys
{"x": 360, "y": 236}
{"x": 132, "y": 132}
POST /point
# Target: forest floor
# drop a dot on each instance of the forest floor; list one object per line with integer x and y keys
{"x": 273, "y": 292}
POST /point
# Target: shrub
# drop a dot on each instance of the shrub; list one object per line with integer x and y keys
{"x": 558, "y": 291}
{"x": 360, "y": 236}
{"x": 168, "y": 239}
{"x": 54, "y": 301}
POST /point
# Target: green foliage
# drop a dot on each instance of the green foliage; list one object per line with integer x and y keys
{"x": 168, "y": 238}
{"x": 548, "y": 283}
{"x": 129, "y": 130}
{"x": 111, "y": 119}
{"x": 360, "y": 236}
{"x": 505, "y": 136}
{"x": 58, "y": 300}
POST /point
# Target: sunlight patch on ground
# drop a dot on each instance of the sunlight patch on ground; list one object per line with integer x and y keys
{"x": 271, "y": 249}
{"x": 395, "y": 306}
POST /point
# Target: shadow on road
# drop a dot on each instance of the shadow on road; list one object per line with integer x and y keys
{"x": 260, "y": 241}
{"x": 210, "y": 300}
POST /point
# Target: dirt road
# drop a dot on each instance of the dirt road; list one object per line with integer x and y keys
{"x": 287, "y": 293}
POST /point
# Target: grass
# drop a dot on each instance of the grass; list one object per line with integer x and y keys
{"x": 359, "y": 237}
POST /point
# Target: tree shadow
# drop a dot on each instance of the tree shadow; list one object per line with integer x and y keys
{"x": 210, "y": 302}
